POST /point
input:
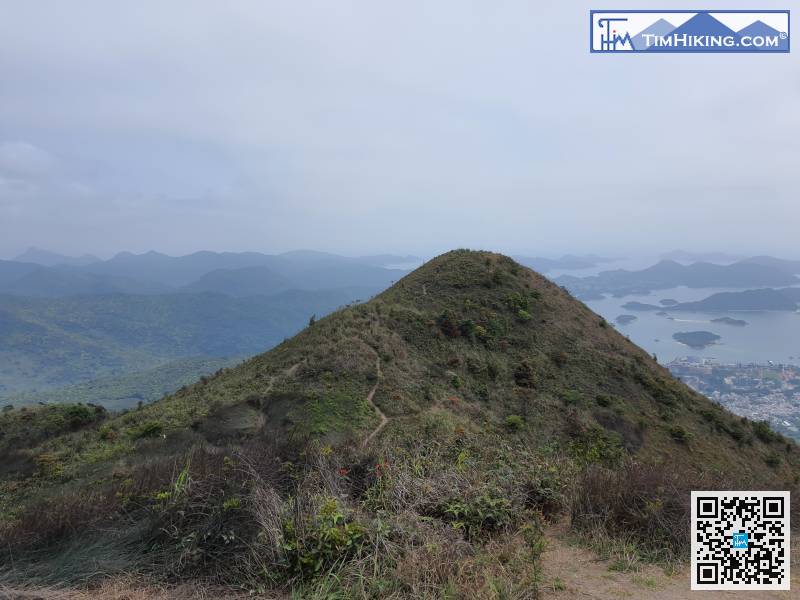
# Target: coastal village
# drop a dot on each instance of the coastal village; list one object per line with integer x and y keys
{"x": 762, "y": 392}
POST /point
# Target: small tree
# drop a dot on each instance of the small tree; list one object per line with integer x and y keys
{"x": 312, "y": 320}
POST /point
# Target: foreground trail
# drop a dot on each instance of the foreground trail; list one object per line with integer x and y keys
{"x": 574, "y": 572}
{"x": 384, "y": 419}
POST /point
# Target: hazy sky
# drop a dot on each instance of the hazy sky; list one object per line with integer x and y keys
{"x": 373, "y": 126}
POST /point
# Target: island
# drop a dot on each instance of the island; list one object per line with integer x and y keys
{"x": 625, "y": 319}
{"x": 639, "y": 306}
{"x": 730, "y": 321}
{"x": 697, "y": 340}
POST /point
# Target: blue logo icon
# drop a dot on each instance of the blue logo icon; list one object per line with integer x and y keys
{"x": 689, "y": 31}
{"x": 740, "y": 540}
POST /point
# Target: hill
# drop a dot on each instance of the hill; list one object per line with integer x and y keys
{"x": 237, "y": 274}
{"x": 66, "y": 281}
{"x": 123, "y": 392}
{"x": 413, "y": 446}
{"x": 51, "y": 342}
{"x": 51, "y": 259}
{"x": 787, "y": 266}
{"x": 566, "y": 262}
{"x": 668, "y": 273}
{"x": 247, "y": 281}
{"x": 764, "y": 299}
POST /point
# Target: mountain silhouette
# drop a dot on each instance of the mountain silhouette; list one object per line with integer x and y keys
{"x": 660, "y": 28}
{"x": 700, "y": 24}
{"x": 759, "y": 28}
{"x": 704, "y": 24}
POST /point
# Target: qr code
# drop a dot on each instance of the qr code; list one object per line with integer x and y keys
{"x": 740, "y": 540}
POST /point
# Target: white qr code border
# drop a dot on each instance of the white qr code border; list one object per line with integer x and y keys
{"x": 698, "y": 548}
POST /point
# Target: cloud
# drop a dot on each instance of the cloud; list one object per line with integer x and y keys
{"x": 21, "y": 159}
{"x": 359, "y": 127}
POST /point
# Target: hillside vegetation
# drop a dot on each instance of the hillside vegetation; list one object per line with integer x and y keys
{"x": 122, "y": 392}
{"x": 52, "y": 342}
{"x": 414, "y": 446}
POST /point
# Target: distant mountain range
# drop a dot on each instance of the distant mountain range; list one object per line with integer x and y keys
{"x": 712, "y": 257}
{"x": 758, "y": 272}
{"x": 51, "y": 259}
{"x": 764, "y": 299}
{"x": 566, "y": 262}
{"x": 236, "y": 274}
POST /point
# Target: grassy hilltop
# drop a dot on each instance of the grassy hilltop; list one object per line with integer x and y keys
{"x": 413, "y": 446}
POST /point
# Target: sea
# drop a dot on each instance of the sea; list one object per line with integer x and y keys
{"x": 769, "y": 335}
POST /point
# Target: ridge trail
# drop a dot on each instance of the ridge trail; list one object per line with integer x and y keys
{"x": 384, "y": 418}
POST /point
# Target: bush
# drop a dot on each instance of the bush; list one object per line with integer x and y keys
{"x": 517, "y": 302}
{"x": 514, "y": 422}
{"x": 314, "y": 546}
{"x": 604, "y": 400}
{"x": 772, "y": 459}
{"x": 148, "y": 429}
{"x": 478, "y": 516}
{"x": 448, "y": 324}
{"x": 523, "y": 375}
{"x": 764, "y": 432}
{"x": 679, "y": 434}
{"x": 523, "y": 315}
{"x": 467, "y": 328}
{"x": 571, "y": 397}
{"x": 597, "y": 445}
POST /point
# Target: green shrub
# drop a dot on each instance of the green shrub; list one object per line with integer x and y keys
{"x": 148, "y": 429}
{"x": 322, "y": 541}
{"x": 679, "y": 434}
{"x": 517, "y": 302}
{"x": 764, "y": 432}
{"x": 523, "y": 315}
{"x": 604, "y": 400}
{"x": 571, "y": 397}
{"x": 772, "y": 459}
{"x": 108, "y": 432}
{"x": 478, "y": 516}
{"x": 79, "y": 415}
{"x": 514, "y": 422}
{"x": 467, "y": 328}
{"x": 597, "y": 445}
{"x": 232, "y": 504}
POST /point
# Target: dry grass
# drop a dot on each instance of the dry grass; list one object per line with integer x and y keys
{"x": 125, "y": 588}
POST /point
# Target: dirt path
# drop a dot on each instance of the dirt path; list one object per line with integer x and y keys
{"x": 571, "y": 571}
{"x": 384, "y": 418}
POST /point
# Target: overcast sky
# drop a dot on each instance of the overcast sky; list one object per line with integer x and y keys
{"x": 375, "y": 126}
